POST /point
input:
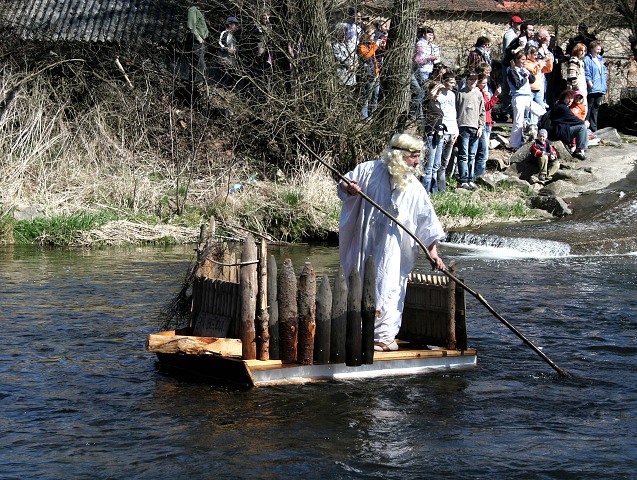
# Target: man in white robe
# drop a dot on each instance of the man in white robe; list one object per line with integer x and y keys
{"x": 365, "y": 231}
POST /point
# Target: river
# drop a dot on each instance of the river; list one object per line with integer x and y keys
{"x": 80, "y": 397}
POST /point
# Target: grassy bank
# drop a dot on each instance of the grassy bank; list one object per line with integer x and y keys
{"x": 107, "y": 166}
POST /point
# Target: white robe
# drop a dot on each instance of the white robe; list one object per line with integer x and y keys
{"x": 365, "y": 231}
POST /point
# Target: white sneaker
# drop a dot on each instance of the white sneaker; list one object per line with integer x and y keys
{"x": 473, "y": 186}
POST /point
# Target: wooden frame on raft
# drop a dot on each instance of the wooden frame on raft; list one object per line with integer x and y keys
{"x": 280, "y": 323}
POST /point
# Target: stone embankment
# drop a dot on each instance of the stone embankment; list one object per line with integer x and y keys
{"x": 606, "y": 164}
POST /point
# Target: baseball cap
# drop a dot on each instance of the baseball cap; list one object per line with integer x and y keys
{"x": 517, "y": 19}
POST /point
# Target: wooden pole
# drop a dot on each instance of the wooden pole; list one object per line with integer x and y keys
{"x": 288, "y": 313}
{"x": 248, "y": 293}
{"x": 368, "y": 311}
{"x": 307, "y": 315}
{"x": 339, "y": 319}
{"x": 264, "y": 316}
{"x": 354, "y": 326}
{"x": 323, "y": 322}
{"x": 273, "y": 309}
{"x": 451, "y": 310}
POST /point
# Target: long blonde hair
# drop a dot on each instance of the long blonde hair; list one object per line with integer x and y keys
{"x": 400, "y": 146}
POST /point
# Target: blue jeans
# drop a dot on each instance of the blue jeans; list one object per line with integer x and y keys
{"x": 580, "y": 134}
{"x": 418, "y": 91}
{"x": 482, "y": 154}
{"x": 467, "y": 148}
{"x": 435, "y": 146}
{"x": 370, "y": 98}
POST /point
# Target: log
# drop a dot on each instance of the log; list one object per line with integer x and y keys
{"x": 339, "y": 319}
{"x": 288, "y": 313}
{"x": 307, "y": 315}
{"x": 273, "y": 309}
{"x": 168, "y": 342}
{"x": 353, "y": 336}
{"x": 451, "y": 310}
{"x": 248, "y": 288}
{"x": 264, "y": 316}
{"x": 323, "y": 322}
{"x": 368, "y": 313}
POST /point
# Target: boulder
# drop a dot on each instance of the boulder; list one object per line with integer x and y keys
{"x": 490, "y": 180}
{"x": 517, "y": 183}
{"x": 28, "y": 212}
{"x": 560, "y": 188}
{"x": 521, "y": 153}
{"x": 552, "y": 204}
{"x": 609, "y": 135}
{"x": 576, "y": 176}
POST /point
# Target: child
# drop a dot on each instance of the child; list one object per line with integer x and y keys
{"x": 546, "y": 156}
{"x": 578, "y": 107}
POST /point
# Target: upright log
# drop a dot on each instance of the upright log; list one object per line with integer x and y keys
{"x": 248, "y": 288}
{"x": 273, "y": 308}
{"x": 323, "y": 322}
{"x": 451, "y": 310}
{"x": 307, "y": 315}
{"x": 338, "y": 331}
{"x": 288, "y": 313}
{"x": 264, "y": 316}
{"x": 368, "y": 311}
{"x": 354, "y": 325}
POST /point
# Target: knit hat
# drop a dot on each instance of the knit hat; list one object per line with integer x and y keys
{"x": 543, "y": 133}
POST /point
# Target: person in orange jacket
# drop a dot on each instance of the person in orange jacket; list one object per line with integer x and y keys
{"x": 369, "y": 77}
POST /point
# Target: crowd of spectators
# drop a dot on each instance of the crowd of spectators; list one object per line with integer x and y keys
{"x": 452, "y": 108}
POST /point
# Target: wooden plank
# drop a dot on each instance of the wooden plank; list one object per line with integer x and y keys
{"x": 211, "y": 325}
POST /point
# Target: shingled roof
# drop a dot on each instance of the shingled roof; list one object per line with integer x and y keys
{"x": 485, "y": 6}
{"x": 117, "y": 21}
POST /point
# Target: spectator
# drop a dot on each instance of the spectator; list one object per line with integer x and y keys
{"x": 227, "y": 57}
{"x": 546, "y": 156}
{"x": 520, "y": 80}
{"x": 471, "y": 120}
{"x": 509, "y": 36}
{"x": 577, "y": 106}
{"x": 427, "y": 55}
{"x": 380, "y": 37}
{"x": 538, "y": 68}
{"x": 583, "y": 36}
{"x": 486, "y": 70}
{"x": 596, "y": 73}
{"x": 482, "y": 154}
{"x": 565, "y": 125}
{"x": 556, "y": 84}
{"x": 479, "y": 53}
{"x": 346, "y": 63}
{"x": 576, "y": 72}
{"x": 355, "y": 29}
{"x": 544, "y": 54}
{"x": 370, "y": 71}
{"x": 446, "y": 100}
{"x": 198, "y": 33}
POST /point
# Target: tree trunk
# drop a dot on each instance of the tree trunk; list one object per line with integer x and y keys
{"x": 397, "y": 65}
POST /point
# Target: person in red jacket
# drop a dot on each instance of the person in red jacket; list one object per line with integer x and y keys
{"x": 482, "y": 155}
{"x": 546, "y": 156}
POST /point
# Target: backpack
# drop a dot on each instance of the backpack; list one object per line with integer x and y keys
{"x": 544, "y": 122}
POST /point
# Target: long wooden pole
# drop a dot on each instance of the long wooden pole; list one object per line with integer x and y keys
{"x": 475, "y": 294}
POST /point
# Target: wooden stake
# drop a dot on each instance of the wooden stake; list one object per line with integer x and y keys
{"x": 307, "y": 315}
{"x": 339, "y": 319}
{"x": 248, "y": 293}
{"x": 368, "y": 311}
{"x": 323, "y": 322}
{"x": 288, "y": 313}
{"x": 264, "y": 316}
{"x": 354, "y": 326}
{"x": 273, "y": 309}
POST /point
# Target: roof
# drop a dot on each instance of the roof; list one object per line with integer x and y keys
{"x": 119, "y": 21}
{"x": 483, "y": 6}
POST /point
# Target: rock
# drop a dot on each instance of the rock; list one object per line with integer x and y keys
{"x": 609, "y": 135}
{"x": 555, "y": 205}
{"x": 576, "y": 176}
{"x": 490, "y": 180}
{"x": 497, "y": 163}
{"x": 563, "y": 153}
{"x": 560, "y": 188}
{"x": 28, "y": 212}
{"x": 517, "y": 183}
{"x": 521, "y": 153}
